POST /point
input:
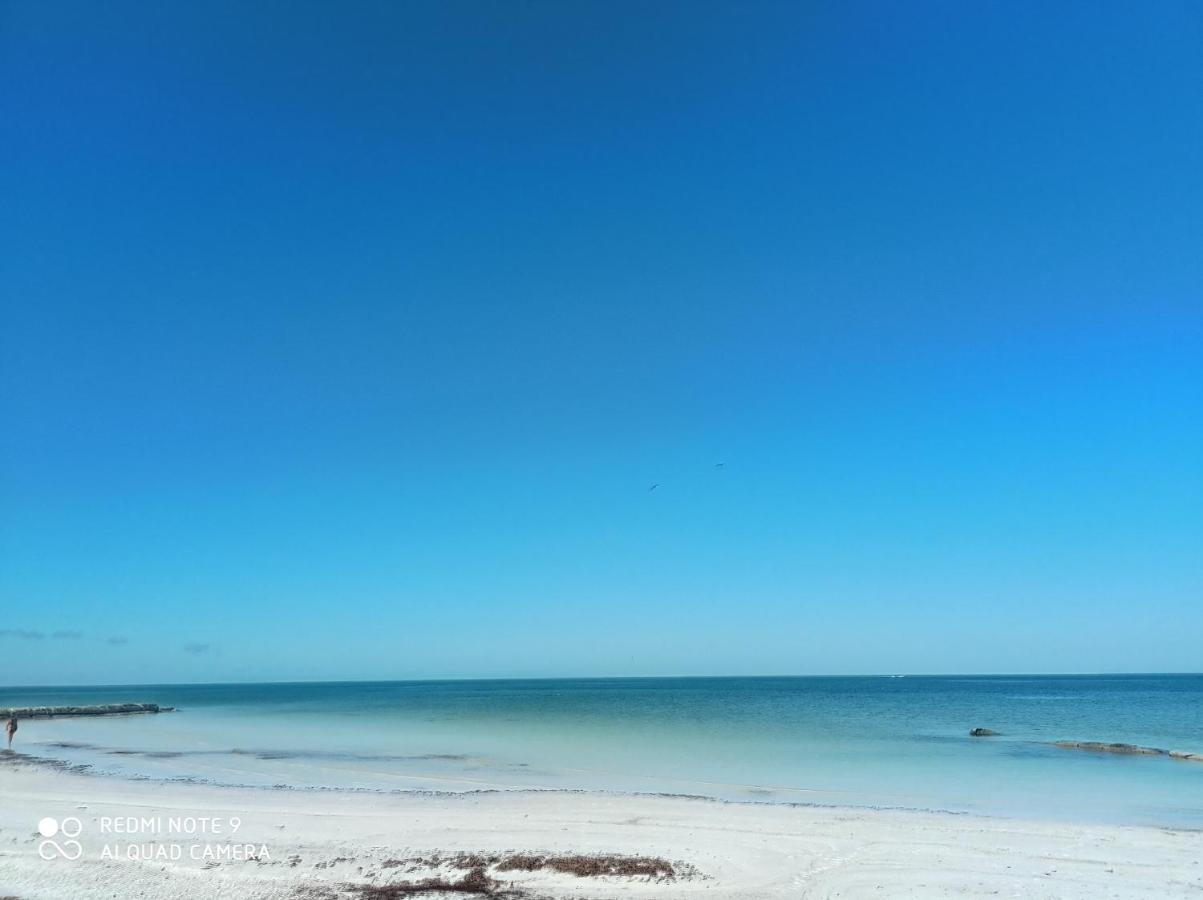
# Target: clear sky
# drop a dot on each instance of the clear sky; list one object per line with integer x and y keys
{"x": 346, "y": 340}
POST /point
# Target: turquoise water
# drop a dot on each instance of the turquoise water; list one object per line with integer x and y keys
{"x": 896, "y": 742}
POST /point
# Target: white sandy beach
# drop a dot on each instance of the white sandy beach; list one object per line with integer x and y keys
{"x": 320, "y": 843}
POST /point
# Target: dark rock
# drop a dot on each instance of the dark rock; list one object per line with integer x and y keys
{"x": 1122, "y": 749}
{"x": 109, "y": 709}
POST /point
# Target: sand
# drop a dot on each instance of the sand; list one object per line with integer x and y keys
{"x": 311, "y": 844}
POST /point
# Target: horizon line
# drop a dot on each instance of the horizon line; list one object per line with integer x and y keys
{"x": 457, "y": 678}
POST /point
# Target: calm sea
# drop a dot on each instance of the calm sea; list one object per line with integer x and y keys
{"x": 892, "y": 742}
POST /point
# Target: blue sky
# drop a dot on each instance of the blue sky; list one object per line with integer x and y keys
{"x": 345, "y": 341}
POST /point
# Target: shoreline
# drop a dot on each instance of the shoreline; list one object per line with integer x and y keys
{"x": 12, "y": 760}
{"x": 335, "y": 844}
{"x": 85, "y": 770}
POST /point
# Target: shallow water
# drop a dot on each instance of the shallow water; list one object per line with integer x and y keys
{"x": 899, "y": 742}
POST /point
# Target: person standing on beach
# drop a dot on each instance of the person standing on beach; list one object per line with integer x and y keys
{"x": 10, "y": 728}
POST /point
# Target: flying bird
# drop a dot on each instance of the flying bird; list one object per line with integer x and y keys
{"x": 653, "y": 487}
{"x": 720, "y": 465}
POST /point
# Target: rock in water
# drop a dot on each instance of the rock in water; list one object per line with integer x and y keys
{"x": 1100, "y": 747}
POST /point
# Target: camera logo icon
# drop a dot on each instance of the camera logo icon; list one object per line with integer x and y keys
{"x": 69, "y": 828}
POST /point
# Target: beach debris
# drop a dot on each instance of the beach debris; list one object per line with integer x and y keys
{"x": 983, "y": 732}
{"x": 475, "y": 883}
{"x": 482, "y": 869}
{"x": 591, "y": 866}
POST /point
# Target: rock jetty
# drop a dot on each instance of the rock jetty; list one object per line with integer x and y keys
{"x": 1100, "y": 747}
{"x": 1129, "y": 750}
{"x": 109, "y": 709}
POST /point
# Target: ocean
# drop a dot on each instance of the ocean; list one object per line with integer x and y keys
{"x": 875, "y": 741}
